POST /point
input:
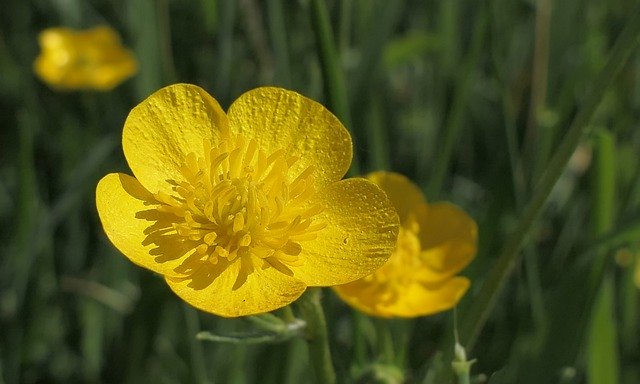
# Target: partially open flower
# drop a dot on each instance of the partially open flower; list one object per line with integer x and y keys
{"x": 242, "y": 211}
{"x": 90, "y": 59}
{"x": 436, "y": 241}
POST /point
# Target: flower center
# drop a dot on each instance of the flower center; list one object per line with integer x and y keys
{"x": 238, "y": 204}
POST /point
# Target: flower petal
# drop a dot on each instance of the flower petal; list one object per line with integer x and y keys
{"x": 415, "y": 299}
{"x": 160, "y": 132}
{"x": 361, "y": 232}
{"x": 89, "y": 59}
{"x": 448, "y": 237}
{"x": 403, "y": 193}
{"x": 422, "y": 300}
{"x": 123, "y": 207}
{"x": 264, "y": 290}
{"x": 280, "y": 119}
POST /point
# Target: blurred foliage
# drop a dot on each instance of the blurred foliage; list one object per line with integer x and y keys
{"x": 470, "y": 99}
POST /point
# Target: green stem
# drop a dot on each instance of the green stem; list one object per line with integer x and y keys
{"x": 316, "y": 335}
{"x": 483, "y": 304}
{"x": 537, "y": 139}
{"x": 385, "y": 340}
{"x": 287, "y": 314}
{"x": 463, "y": 376}
{"x": 461, "y": 366}
{"x": 196, "y": 351}
{"x": 602, "y": 335}
{"x": 604, "y": 193}
{"x": 333, "y": 76}
{"x": 359, "y": 342}
{"x": 405, "y": 331}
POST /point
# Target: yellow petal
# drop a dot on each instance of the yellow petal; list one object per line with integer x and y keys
{"x": 448, "y": 237}
{"x": 361, "y": 232}
{"x": 414, "y": 300}
{"x": 277, "y": 118}
{"x": 123, "y": 207}
{"x": 52, "y": 38}
{"x": 264, "y": 290}
{"x": 160, "y": 132}
{"x": 422, "y": 300}
{"x": 403, "y": 193}
{"x": 111, "y": 62}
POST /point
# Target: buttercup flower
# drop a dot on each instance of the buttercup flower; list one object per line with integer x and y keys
{"x": 90, "y": 59}
{"x": 242, "y": 211}
{"x": 436, "y": 241}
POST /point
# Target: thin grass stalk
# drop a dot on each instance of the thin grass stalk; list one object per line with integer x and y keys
{"x": 515, "y": 160}
{"x": 602, "y": 340}
{"x": 538, "y": 140}
{"x": 196, "y": 351}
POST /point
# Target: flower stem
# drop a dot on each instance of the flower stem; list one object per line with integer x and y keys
{"x": 196, "y": 350}
{"x": 316, "y": 335}
{"x": 385, "y": 341}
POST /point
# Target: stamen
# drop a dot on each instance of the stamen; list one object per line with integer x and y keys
{"x": 245, "y": 241}
{"x": 291, "y": 248}
{"x": 238, "y": 223}
{"x": 210, "y": 237}
{"x": 235, "y": 203}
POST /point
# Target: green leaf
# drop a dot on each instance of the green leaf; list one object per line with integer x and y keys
{"x": 266, "y": 334}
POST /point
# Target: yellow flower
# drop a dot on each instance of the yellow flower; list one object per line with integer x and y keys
{"x": 435, "y": 242}
{"x": 90, "y": 59}
{"x": 242, "y": 211}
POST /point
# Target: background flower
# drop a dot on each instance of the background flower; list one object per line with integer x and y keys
{"x": 89, "y": 59}
{"x": 436, "y": 241}
{"x": 242, "y": 211}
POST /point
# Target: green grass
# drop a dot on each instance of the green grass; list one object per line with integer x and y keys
{"x": 524, "y": 113}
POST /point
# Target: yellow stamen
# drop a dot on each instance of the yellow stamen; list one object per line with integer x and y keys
{"x": 236, "y": 202}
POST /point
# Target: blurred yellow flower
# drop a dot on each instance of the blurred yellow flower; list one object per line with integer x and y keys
{"x": 242, "y": 211}
{"x": 90, "y": 59}
{"x": 435, "y": 242}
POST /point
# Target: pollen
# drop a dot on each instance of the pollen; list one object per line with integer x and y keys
{"x": 239, "y": 204}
